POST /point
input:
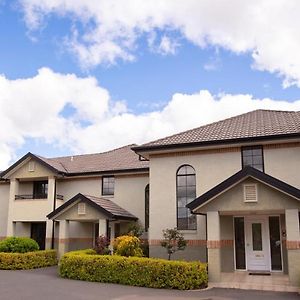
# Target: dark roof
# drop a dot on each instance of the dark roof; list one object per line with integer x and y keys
{"x": 117, "y": 160}
{"x": 239, "y": 176}
{"x": 105, "y": 206}
{"x": 258, "y": 124}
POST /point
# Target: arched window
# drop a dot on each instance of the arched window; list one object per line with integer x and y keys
{"x": 186, "y": 192}
{"x": 147, "y": 208}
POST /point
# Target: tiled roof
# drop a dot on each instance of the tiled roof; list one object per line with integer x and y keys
{"x": 111, "y": 207}
{"x": 254, "y": 124}
{"x": 105, "y": 206}
{"x": 118, "y": 159}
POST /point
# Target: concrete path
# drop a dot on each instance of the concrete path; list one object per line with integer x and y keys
{"x": 44, "y": 284}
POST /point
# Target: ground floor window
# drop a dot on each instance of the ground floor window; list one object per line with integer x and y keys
{"x": 275, "y": 243}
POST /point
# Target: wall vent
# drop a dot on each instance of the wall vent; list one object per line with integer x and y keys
{"x": 81, "y": 208}
{"x": 31, "y": 166}
{"x": 250, "y": 193}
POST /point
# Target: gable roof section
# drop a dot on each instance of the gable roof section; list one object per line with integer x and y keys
{"x": 254, "y": 125}
{"x": 239, "y": 176}
{"x": 105, "y": 206}
{"x": 117, "y": 160}
{"x": 41, "y": 160}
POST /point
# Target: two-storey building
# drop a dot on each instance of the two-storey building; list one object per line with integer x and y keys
{"x": 231, "y": 187}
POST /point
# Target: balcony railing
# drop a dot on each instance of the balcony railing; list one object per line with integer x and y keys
{"x": 37, "y": 196}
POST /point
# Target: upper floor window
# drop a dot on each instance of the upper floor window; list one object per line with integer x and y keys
{"x": 40, "y": 189}
{"x": 108, "y": 186}
{"x": 147, "y": 208}
{"x": 186, "y": 192}
{"x": 253, "y": 156}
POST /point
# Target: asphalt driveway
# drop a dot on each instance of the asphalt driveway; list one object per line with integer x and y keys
{"x": 44, "y": 284}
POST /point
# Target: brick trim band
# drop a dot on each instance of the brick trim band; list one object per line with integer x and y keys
{"x": 189, "y": 242}
{"x": 292, "y": 245}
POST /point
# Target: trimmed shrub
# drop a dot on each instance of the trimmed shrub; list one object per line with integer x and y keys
{"x": 136, "y": 271}
{"x": 29, "y": 260}
{"x": 128, "y": 245}
{"x": 18, "y": 245}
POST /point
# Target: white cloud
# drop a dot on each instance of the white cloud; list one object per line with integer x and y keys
{"x": 267, "y": 29}
{"x": 35, "y": 108}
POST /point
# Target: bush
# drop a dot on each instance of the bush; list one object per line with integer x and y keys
{"x": 101, "y": 245}
{"x": 29, "y": 260}
{"x": 128, "y": 245}
{"x": 136, "y": 271}
{"x": 18, "y": 245}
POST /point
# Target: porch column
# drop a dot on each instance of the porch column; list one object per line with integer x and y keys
{"x": 63, "y": 239}
{"x": 213, "y": 246}
{"x": 50, "y": 200}
{"x": 293, "y": 244}
{"x": 13, "y": 191}
{"x": 102, "y": 227}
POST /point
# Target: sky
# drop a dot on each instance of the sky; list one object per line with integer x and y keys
{"x": 88, "y": 76}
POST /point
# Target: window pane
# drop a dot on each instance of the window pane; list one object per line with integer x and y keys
{"x": 256, "y": 237}
{"x": 239, "y": 236}
{"x": 186, "y": 192}
{"x": 181, "y": 180}
{"x": 257, "y": 151}
{"x": 275, "y": 243}
{"x": 253, "y": 157}
{"x": 257, "y": 160}
{"x": 191, "y": 180}
{"x": 108, "y": 185}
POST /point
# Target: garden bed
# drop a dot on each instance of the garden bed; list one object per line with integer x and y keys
{"x": 136, "y": 271}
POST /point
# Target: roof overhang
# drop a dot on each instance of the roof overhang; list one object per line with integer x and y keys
{"x": 145, "y": 151}
{"x": 80, "y": 197}
{"x": 239, "y": 177}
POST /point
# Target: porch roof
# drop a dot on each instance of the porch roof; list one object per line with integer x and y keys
{"x": 238, "y": 177}
{"x": 103, "y": 205}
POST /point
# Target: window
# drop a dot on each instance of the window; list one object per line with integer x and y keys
{"x": 253, "y": 156}
{"x": 40, "y": 189}
{"x": 186, "y": 192}
{"x": 108, "y": 185}
{"x": 147, "y": 208}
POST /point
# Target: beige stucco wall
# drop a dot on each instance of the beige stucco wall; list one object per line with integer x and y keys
{"x": 4, "y": 194}
{"x": 70, "y": 187}
{"x": 130, "y": 194}
{"x": 71, "y": 213}
{"x": 227, "y": 252}
{"x": 284, "y": 164}
{"x": 39, "y": 171}
{"x": 269, "y": 199}
{"x": 30, "y": 210}
{"x": 210, "y": 169}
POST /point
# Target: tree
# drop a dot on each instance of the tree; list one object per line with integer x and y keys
{"x": 102, "y": 245}
{"x": 173, "y": 241}
{"x": 135, "y": 229}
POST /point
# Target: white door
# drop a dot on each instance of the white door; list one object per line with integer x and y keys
{"x": 257, "y": 243}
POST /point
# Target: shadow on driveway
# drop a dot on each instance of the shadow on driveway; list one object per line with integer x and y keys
{"x": 44, "y": 284}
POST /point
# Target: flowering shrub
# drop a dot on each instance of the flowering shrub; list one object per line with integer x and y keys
{"x": 128, "y": 245}
{"x": 101, "y": 245}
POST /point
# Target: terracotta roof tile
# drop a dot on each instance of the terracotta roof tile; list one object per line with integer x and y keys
{"x": 258, "y": 123}
{"x": 118, "y": 159}
{"x": 111, "y": 207}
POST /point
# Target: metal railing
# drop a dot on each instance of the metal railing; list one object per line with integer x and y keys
{"x": 36, "y": 196}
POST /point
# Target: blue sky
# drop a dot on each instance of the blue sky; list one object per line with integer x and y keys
{"x": 135, "y": 68}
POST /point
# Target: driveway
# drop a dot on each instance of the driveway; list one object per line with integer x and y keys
{"x": 46, "y": 285}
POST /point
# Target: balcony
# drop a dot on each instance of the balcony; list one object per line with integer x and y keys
{"x": 36, "y": 196}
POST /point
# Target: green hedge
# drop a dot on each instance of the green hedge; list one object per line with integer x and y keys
{"x": 18, "y": 245}
{"x": 137, "y": 271}
{"x": 29, "y": 260}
